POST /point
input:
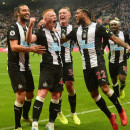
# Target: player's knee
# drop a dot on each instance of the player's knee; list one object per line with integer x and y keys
{"x": 42, "y": 92}
{"x": 122, "y": 80}
{"x": 94, "y": 94}
{"x": 56, "y": 95}
{"x": 105, "y": 88}
{"x": 29, "y": 95}
{"x": 20, "y": 96}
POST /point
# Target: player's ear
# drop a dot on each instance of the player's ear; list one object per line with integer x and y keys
{"x": 69, "y": 15}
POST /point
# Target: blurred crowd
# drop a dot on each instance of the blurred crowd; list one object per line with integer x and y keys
{"x": 114, "y": 8}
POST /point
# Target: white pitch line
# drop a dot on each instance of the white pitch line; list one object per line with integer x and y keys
{"x": 79, "y": 113}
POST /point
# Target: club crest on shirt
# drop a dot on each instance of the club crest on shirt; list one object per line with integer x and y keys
{"x": 20, "y": 86}
{"x": 12, "y": 32}
{"x": 45, "y": 84}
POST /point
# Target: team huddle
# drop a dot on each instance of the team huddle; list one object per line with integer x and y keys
{"x": 53, "y": 41}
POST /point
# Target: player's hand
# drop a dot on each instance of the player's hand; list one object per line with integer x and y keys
{"x": 39, "y": 49}
{"x": 128, "y": 48}
{"x": 32, "y": 21}
{"x": 41, "y": 23}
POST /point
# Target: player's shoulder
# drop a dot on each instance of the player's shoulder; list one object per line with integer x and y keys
{"x": 13, "y": 26}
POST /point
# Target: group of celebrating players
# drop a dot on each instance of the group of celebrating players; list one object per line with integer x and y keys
{"x": 53, "y": 41}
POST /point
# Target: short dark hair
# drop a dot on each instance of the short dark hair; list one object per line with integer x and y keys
{"x": 86, "y": 10}
{"x": 17, "y": 9}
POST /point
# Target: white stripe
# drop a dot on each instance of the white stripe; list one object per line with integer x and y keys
{"x": 79, "y": 38}
{"x": 121, "y": 36}
{"x": 21, "y": 54}
{"x": 91, "y": 39}
{"x": 79, "y": 113}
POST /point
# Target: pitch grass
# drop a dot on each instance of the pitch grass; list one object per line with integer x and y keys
{"x": 91, "y": 117}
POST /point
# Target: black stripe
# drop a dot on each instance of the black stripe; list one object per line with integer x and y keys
{"x": 85, "y": 51}
{"x": 26, "y": 54}
{"x": 55, "y": 39}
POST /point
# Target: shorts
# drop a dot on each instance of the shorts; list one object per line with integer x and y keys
{"x": 21, "y": 80}
{"x": 95, "y": 77}
{"x": 116, "y": 69}
{"x": 51, "y": 78}
{"x": 68, "y": 74}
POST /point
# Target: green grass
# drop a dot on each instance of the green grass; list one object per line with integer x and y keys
{"x": 91, "y": 117}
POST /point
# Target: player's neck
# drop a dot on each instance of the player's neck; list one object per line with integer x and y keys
{"x": 85, "y": 24}
{"x": 64, "y": 23}
{"x": 49, "y": 27}
{"x": 116, "y": 32}
{"x": 23, "y": 23}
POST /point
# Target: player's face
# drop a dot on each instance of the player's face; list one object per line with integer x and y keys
{"x": 114, "y": 27}
{"x": 51, "y": 18}
{"x": 24, "y": 13}
{"x": 79, "y": 17}
{"x": 64, "y": 15}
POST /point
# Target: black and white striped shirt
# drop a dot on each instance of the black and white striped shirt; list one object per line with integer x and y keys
{"x": 51, "y": 40}
{"x": 65, "y": 47}
{"x": 89, "y": 41}
{"x": 17, "y": 60}
{"x": 117, "y": 52}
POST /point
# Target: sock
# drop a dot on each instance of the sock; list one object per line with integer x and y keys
{"x": 115, "y": 101}
{"x": 122, "y": 86}
{"x": 17, "y": 113}
{"x": 102, "y": 105}
{"x": 116, "y": 89}
{"x": 37, "y": 108}
{"x": 53, "y": 110}
{"x": 26, "y": 108}
{"x": 72, "y": 101}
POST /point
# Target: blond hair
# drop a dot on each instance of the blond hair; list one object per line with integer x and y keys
{"x": 116, "y": 20}
{"x": 67, "y": 8}
{"x": 45, "y": 11}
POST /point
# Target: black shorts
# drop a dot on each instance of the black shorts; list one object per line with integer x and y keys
{"x": 51, "y": 78}
{"x": 68, "y": 74}
{"x": 95, "y": 77}
{"x": 21, "y": 80}
{"x": 116, "y": 69}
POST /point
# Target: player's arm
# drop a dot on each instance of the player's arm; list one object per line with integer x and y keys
{"x": 105, "y": 33}
{"x": 118, "y": 41}
{"x": 31, "y": 38}
{"x": 18, "y": 48}
{"x": 70, "y": 36}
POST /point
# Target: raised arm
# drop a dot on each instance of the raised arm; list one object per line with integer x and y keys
{"x": 30, "y": 38}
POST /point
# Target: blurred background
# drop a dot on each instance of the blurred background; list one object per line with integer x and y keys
{"x": 102, "y": 11}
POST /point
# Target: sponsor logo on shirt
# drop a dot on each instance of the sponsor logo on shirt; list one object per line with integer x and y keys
{"x": 66, "y": 45}
{"x": 116, "y": 48}
{"x": 54, "y": 47}
{"x": 86, "y": 46}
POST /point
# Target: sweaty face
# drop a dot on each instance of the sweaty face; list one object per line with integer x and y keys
{"x": 64, "y": 15}
{"x": 114, "y": 27}
{"x": 50, "y": 18}
{"x": 24, "y": 13}
{"x": 79, "y": 17}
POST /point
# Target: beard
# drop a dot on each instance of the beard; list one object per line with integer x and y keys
{"x": 80, "y": 21}
{"x": 23, "y": 19}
